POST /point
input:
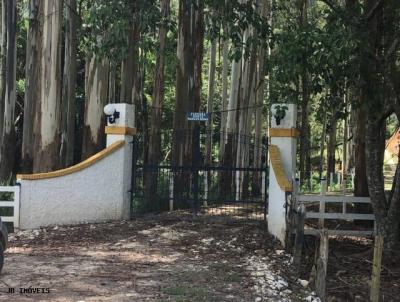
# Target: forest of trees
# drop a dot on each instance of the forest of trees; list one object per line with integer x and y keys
{"x": 62, "y": 61}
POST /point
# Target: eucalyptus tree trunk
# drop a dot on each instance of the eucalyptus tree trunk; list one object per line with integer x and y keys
{"x": 97, "y": 71}
{"x": 32, "y": 83}
{"x": 111, "y": 85}
{"x": 210, "y": 100}
{"x": 69, "y": 86}
{"x": 350, "y": 138}
{"x": 305, "y": 163}
{"x": 322, "y": 149}
{"x": 243, "y": 102}
{"x": 8, "y": 145}
{"x": 245, "y": 119}
{"x": 47, "y": 142}
{"x": 198, "y": 36}
{"x": 226, "y": 177}
{"x": 345, "y": 142}
{"x": 331, "y": 147}
{"x": 225, "y": 66}
{"x": 3, "y": 61}
{"x": 157, "y": 103}
{"x": 128, "y": 68}
{"x": 259, "y": 104}
{"x": 185, "y": 84}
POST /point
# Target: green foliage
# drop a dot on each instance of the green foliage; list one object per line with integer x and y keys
{"x": 107, "y": 26}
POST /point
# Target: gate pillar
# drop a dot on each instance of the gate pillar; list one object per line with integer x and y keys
{"x": 120, "y": 126}
{"x": 283, "y": 145}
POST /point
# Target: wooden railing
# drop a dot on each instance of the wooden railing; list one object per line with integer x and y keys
{"x": 14, "y": 203}
{"x": 322, "y": 201}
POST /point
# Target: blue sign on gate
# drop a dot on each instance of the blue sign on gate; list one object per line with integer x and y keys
{"x": 198, "y": 116}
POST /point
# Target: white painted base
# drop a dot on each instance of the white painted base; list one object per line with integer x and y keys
{"x": 276, "y": 209}
{"x": 95, "y": 194}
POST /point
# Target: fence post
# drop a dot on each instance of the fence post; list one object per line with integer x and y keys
{"x": 238, "y": 187}
{"x": 263, "y": 192}
{"x": 298, "y": 245}
{"x": 376, "y": 269}
{"x": 16, "y": 206}
{"x": 322, "y": 266}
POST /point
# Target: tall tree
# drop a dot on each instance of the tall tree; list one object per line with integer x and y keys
{"x": 32, "y": 82}
{"x": 158, "y": 98}
{"x": 96, "y": 87}
{"x": 185, "y": 83}
{"x": 210, "y": 99}
{"x": 381, "y": 105}
{"x": 224, "y": 101}
{"x": 260, "y": 87}
{"x": 305, "y": 163}
{"x": 8, "y": 143}
{"x": 47, "y": 141}
{"x": 69, "y": 86}
{"x": 3, "y": 61}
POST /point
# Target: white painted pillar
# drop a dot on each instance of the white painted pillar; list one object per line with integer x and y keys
{"x": 122, "y": 128}
{"x": 284, "y": 137}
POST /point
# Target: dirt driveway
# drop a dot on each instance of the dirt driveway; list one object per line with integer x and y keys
{"x": 153, "y": 258}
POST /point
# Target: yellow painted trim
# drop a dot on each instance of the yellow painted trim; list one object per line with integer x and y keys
{"x": 120, "y": 130}
{"x": 78, "y": 167}
{"x": 276, "y": 162}
{"x": 283, "y": 132}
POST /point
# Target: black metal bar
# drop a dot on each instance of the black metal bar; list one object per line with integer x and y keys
{"x": 200, "y": 168}
{"x": 133, "y": 176}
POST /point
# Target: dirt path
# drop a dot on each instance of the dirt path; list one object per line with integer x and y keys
{"x": 157, "y": 258}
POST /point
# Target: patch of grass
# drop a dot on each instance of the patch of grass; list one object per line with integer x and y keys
{"x": 233, "y": 277}
{"x": 183, "y": 293}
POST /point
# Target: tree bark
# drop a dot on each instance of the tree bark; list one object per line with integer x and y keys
{"x": 32, "y": 83}
{"x": 258, "y": 146}
{"x": 386, "y": 206}
{"x": 8, "y": 145}
{"x": 69, "y": 87}
{"x": 185, "y": 84}
{"x": 111, "y": 85}
{"x": 47, "y": 145}
{"x": 97, "y": 71}
{"x": 305, "y": 161}
{"x": 128, "y": 69}
{"x": 210, "y": 100}
{"x": 159, "y": 88}
{"x": 3, "y": 62}
{"x": 323, "y": 139}
{"x": 225, "y": 66}
{"x": 360, "y": 177}
{"x": 332, "y": 147}
{"x": 226, "y": 177}
{"x": 154, "y": 152}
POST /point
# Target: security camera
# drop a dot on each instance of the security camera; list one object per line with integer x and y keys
{"x": 111, "y": 112}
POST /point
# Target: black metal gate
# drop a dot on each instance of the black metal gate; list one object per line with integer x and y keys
{"x": 238, "y": 192}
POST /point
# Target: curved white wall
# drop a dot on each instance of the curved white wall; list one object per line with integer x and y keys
{"x": 97, "y": 193}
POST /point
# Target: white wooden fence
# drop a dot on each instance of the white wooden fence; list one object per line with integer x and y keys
{"x": 322, "y": 214}
{"x": 14, "y": 203}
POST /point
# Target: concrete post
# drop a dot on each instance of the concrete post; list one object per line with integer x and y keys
{"x": 122, "y": 128}
{"x": 283, "y": 135}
